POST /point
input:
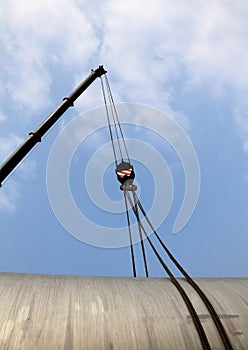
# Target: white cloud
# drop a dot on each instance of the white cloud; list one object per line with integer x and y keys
{"x": 148, "y": 43}
{"x": 9, "y": 193}
{"x": 217, "y": 53}
{"x": 145, "y": 45}
{"x": 9, "y": 197}
{"x": 8, "y": 144}
{"x": 3, "y": 117}
{"x": 241, "y": 119}
{"x": 34, "y": 35}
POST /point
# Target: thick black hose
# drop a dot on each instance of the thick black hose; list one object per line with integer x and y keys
{"x": 224, "y": 337}
{"x": 192, "y": 311}
{"x": 130, "y": 235}
{"x": 141, "y": 238}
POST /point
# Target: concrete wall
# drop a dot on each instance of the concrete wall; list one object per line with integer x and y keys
{"x": 68, "y": 312}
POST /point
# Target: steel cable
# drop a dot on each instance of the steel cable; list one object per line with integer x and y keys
{"x": 130, "y": 235}
{"x": 111, "y": 102}
{"x": 135, "y": 206}
{"x": 117, "y": 117}
{"x": 141, "y": 237}
{"x": 109, "y": 124}
{"x": 208, "y": 304}
{"x": 192, "y": 311}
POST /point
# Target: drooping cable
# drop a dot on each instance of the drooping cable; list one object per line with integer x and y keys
{"x": 140, "y": 234}
{"x": 208, "y": 304}
{"x": 192, "y": 311}
{"x": 130, "y": 235}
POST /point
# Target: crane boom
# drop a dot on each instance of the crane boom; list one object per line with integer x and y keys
{"x": 36, "y": 135}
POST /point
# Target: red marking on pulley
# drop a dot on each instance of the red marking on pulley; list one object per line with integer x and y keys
{"x": 125, "y": 172}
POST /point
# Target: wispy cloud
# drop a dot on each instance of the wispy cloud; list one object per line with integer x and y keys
{"x": 8, "y": 144}
{"x": 3, "y": 117}
{"x": 36, "y": 35}
{"x": 146, "y": 46}
{"x": 9, "y": 196}
{"x": 241, "y": 119}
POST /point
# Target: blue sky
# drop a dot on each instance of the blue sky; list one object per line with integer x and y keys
{"x": 188, "y": 60}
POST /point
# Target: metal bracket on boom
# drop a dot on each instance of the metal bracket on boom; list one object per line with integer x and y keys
{"x": 35, "y": 135}
{"x": 70, "y": 103}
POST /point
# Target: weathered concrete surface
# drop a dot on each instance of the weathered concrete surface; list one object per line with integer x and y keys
{"x": 68, "y": 312}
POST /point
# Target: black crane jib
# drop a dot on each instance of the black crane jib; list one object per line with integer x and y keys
{"x": 36, "y": 135}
